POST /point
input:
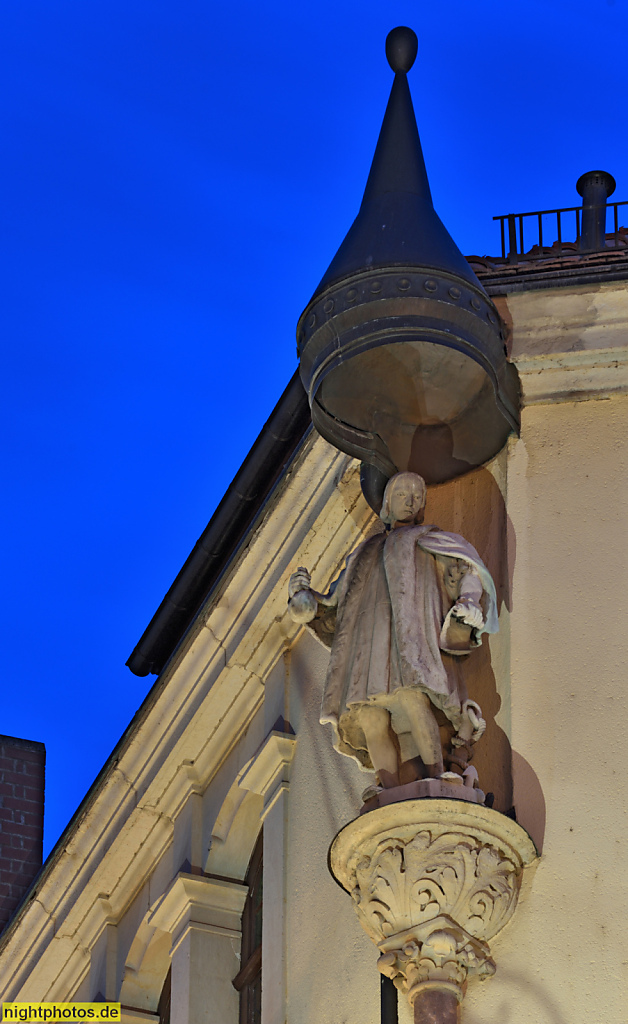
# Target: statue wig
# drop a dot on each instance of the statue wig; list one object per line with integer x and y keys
{"x": 385, "y": 514}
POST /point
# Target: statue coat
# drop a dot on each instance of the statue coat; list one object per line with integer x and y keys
{"x": 393, "y": 624}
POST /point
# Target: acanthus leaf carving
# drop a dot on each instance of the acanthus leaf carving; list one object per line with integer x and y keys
{"x": 432, "y": 882}
{"x": 407, "y": 882}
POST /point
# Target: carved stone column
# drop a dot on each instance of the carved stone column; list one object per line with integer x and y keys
{"x": 432, "y": 882}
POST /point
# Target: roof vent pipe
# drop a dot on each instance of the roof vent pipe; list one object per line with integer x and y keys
{"x": 595, "y": 187}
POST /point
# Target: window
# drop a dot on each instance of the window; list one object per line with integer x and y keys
{"x": 248, "y": 981}
{"x": 163, "y": 1008}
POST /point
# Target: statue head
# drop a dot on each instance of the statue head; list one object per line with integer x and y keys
{"x": 404, "y": 499}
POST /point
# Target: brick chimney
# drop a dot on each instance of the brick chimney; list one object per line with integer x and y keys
{"x": 22, "y": 765}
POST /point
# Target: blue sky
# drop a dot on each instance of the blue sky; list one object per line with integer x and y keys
{"x": 174, "y": 180}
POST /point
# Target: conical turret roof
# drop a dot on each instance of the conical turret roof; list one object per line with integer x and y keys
{"x": 401, "y": 350}
{"x": 397, "y": 224}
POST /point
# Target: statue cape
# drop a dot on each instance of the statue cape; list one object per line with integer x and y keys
{"x": 440, "y": 542}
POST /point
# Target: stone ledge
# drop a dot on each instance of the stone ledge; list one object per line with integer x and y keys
{"x": 573, "y": 376}
{"x": 424, "y": 789}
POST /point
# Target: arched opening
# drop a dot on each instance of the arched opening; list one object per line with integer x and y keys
{"x": 146, "y": 970}
{"x": 234, "y": 834}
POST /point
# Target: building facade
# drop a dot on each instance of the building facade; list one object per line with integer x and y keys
{"x": 193, "y": 885}
{"x": 227, "y": 747}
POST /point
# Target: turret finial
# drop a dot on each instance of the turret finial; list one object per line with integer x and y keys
{"x": 401, "y": 49}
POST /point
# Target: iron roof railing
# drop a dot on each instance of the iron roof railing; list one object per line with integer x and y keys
{"x": 514, "y": 224}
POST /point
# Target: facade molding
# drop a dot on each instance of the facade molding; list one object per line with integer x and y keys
{"x": 573, "y": 376}
{"x": 207, "y": 904}
{"x": 210, "y": 692}
{"x": 268, "y": 773}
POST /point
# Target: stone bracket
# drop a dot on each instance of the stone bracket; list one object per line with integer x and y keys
{"x": 268, "y": 772}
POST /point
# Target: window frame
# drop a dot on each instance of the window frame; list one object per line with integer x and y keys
{"x": 248, "y": 980}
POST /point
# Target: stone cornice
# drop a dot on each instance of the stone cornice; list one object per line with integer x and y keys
{"x": 573, "y": 376}
{"x": 210, "y": 904}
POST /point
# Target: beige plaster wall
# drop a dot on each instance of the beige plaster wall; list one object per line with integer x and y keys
{"x": 563, "y": 959}
{"x": 580, "y": 318}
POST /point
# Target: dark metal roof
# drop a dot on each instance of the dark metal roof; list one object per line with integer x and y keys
{"x": 265, "y": 464}
{"x": 568, "y": 267}
{"x": 397, "y": 224}
{"x": 400, "y": 312}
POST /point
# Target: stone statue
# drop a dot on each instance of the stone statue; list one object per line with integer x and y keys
{"x": 409, "y": 604}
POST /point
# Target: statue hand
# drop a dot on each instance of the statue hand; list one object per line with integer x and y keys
{"x": 469, "y": 613}
{"x": 473, "y": 712}
{"x": 302, "y": 603}
{"x": 300, "y": 580}
{"x": 472, "y": 725}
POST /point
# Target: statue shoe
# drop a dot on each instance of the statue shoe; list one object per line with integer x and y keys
{"x": 453, "y": 778}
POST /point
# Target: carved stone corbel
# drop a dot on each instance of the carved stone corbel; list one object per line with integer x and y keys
{"x": 432, "y": 882}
